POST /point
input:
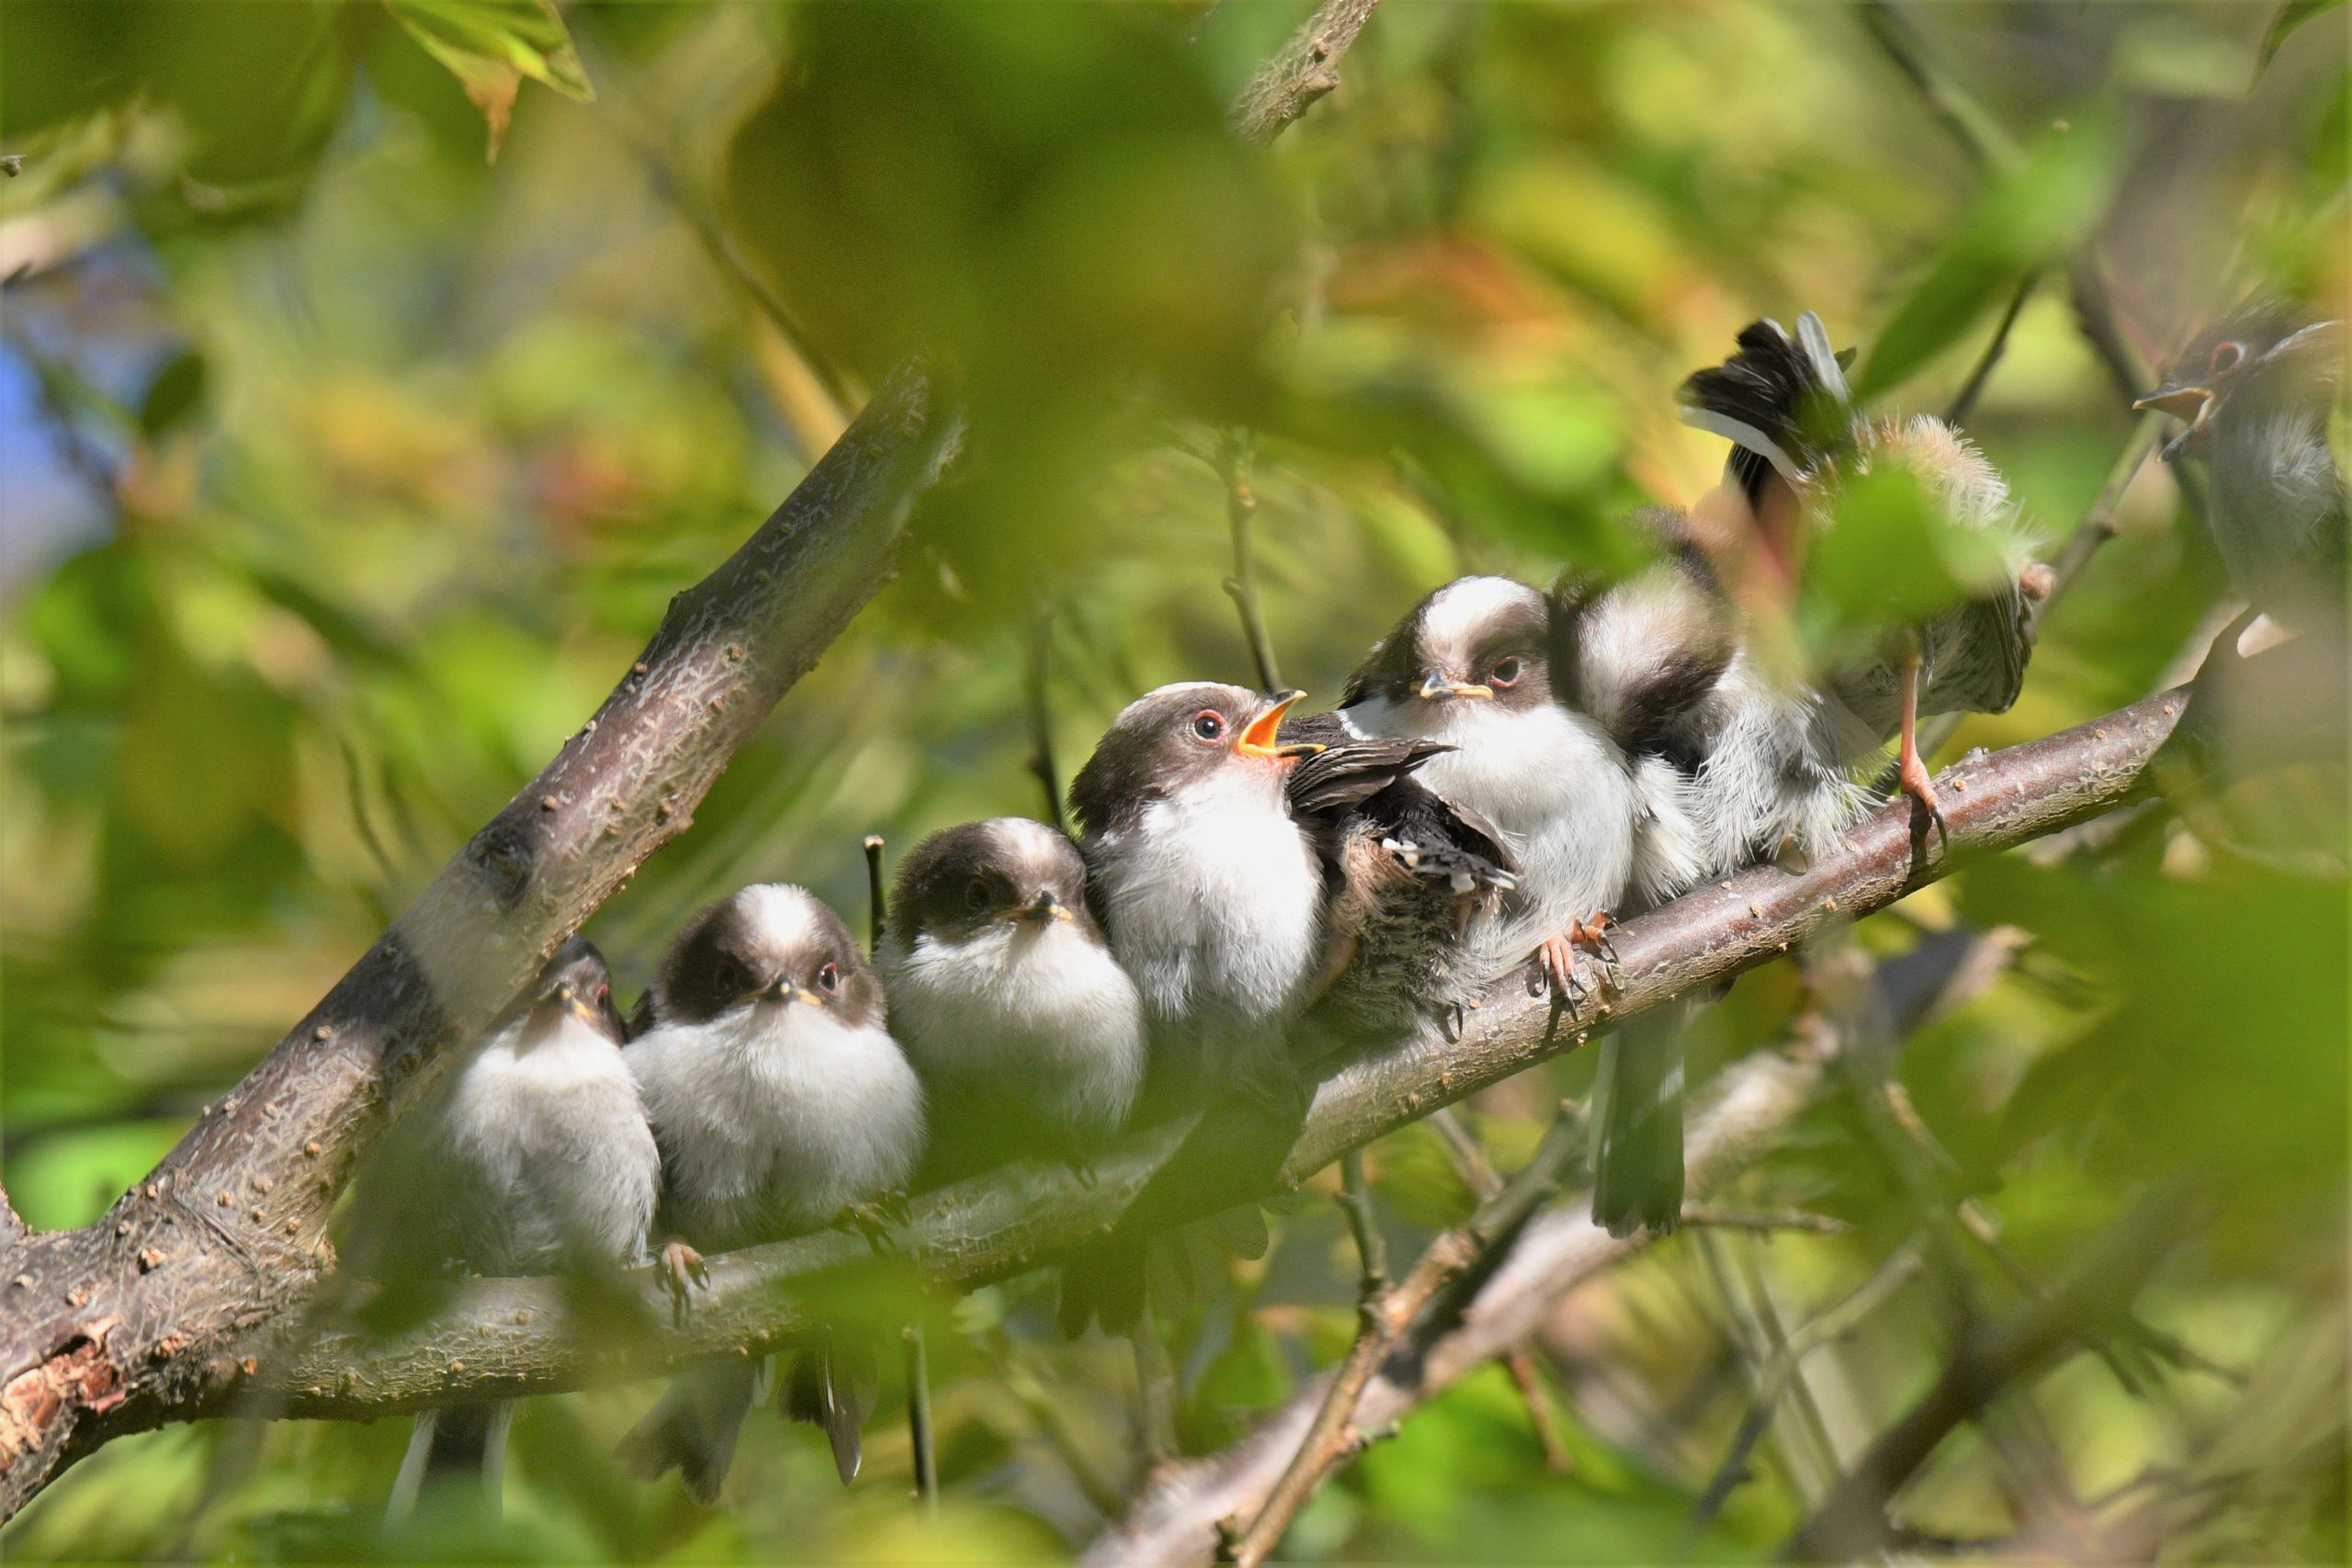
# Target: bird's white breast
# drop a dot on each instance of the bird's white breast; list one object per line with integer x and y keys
{"x": 1212, "y": 899}
{"x": 545, "y": 1119}
{"x": 1039, "y": 1009}
{"x": 773, "y": 1116}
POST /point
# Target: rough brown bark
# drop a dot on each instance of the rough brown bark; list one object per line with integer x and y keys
{"x": 175, "y": 1299}
{"x": 519, "y": 1336}
{"x": 1308, "y": 67}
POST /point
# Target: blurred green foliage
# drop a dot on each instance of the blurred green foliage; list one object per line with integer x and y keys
{"x": 345, "y": 470}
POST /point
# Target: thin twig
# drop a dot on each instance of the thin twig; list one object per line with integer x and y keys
{"x": 1155, "y": 1390}
{"x": 1355, "y": 1203}
{"x": 1470, "y": 1161}
{"x": 926, "y": 1457}
{"x": 1234, "y": 462}
{"x": 1040, "y": 652}
{"x": 1308, "y": 67}
{"x": 1333, "y": 1437}
{"x": 1520, "y": 1362}
{"x": 2097, "y": 524}
{"x": 1705, "y": 1216}
{"x": 1964, "y": 401}
{"x": 1833, "y": 1323}
{"x": 1851, "y": 1522}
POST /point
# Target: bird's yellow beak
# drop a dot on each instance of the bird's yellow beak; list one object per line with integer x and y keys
{"x": 1435, "y": 687}
{"x": 2187, "y": 404}
{"x": 1044, "y": 907}
{"x": 1258, "y": 739}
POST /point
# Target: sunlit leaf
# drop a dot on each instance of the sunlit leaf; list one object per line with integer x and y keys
{"x": 492, "y": 45}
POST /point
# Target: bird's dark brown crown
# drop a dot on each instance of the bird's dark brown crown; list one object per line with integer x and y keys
{"x": 748, "y": 944}
{"x": 964, "y": 878}
{"x": 1162, "y": 742}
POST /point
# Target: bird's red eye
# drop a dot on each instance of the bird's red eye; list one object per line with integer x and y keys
{"x": 603, "y": 994}
{"x": 1208, "y": 725}
{"x": 1505, "y": 674}
{"x": 829, "y": 979}
{"x": 2225, "y": 357}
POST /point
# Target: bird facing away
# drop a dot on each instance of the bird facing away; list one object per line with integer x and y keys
{"x": 780, "y": 1101}
{"x": 532, "y": 1157}
{"x": 2257, "y": 390}
{"x": 1027, "y": 1034}
{"x": 1783, "y": 749}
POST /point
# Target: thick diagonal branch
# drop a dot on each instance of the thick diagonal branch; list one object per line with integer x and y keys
{"x": 175, "y": 1298}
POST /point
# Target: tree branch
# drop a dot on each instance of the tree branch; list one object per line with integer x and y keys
{"x": 1308, "y": 67}
{"x": 513, "y": 1338}
{"x": 1335, "y": 1434}
{"x": 169, "y": 1303}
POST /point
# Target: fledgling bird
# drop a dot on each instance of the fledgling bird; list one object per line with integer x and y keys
{"x": 1541, "y": 752}
{"x": 1568, "y": 715}
{"x": 1783, "y": 753}
{"x": 532, "y": 1157}
{"x": 2257, "y": 390}
{"x": 1219, "y": 859}
{"x": 1027, "y": 1034}
{"x": 780, "y": 1103}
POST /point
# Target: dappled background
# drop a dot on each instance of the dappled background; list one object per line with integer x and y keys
{"x": 372, "y": 376}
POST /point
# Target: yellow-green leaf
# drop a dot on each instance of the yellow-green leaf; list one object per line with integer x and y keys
{"x": 490, "y": 45}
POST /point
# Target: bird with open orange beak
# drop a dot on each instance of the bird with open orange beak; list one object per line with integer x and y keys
{"x": 1216, "y": 854}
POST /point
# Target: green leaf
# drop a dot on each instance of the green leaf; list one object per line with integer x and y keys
{"x": 2291, "y": 15}
{"x": 177, "y": 392}
{"x": 490, "y": 45}
{"x": 2037, "y": 213}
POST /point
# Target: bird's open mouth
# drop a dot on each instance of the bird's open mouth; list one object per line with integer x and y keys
{"x": 1258, "y": 739}
{"x": 2191, "y": 405}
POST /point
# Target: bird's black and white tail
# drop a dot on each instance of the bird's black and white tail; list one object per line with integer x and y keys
{"x": 1637, "y": 1151}
{"x": 832, "y": 1386}
{"x": 693, "y": 1426}
{"x": 462, "y": 1443}
{"x": 1781, "y": 402}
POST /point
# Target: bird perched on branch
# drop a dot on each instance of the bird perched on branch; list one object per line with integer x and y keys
{"x": 1566, "y": 715}
{"x": 532, "y": 1157}
{"x": 2257, "y": 390}
{"x": 781, "y": 1103}
{"x": 1784, "y": 745}
{"x": 1026, "y": 1033}
{"x": 1219, "y": 858}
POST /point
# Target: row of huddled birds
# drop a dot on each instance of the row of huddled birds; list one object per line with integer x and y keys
{"x": 1510, "y": 769}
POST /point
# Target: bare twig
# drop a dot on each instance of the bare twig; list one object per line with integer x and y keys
{"x": 1963, "y": 402}
{"x": 926, "y": 1456}
{"x": 1173, "y": 1521}
{"x": 1519, "y": 1361}
{"x": 1039, "y": 663}
{"x": 1334, "y": 1436}
{"x": 2097, "y": 524}
{"x": 1470, "y": 1161}
{"x": 1355, "y": 1203}
{"x": 1851, "y": 1522}
{"x": 1155, "y": 1390}
{"x": 1830, "y": 1325}
{"x": 1705, "y": 1216}
{"x": 878, "y": 913}
{"x": 173, "y": 1301}
{"x": 1306, "y": 68}
{"x": 1233, "y": 462}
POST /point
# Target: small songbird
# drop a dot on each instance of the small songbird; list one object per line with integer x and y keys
{"x": 780, "y": 1103}
{"x": 1540, "y": 752}
{"x": 1218, "y": 861}
{"x": 1783, "y": 754}
{"x": 1027, "y": 1034}
{"x": 1570, "y": 716}
{"x": 531, "y": 1156}
{"x": 2257, "y": 390}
